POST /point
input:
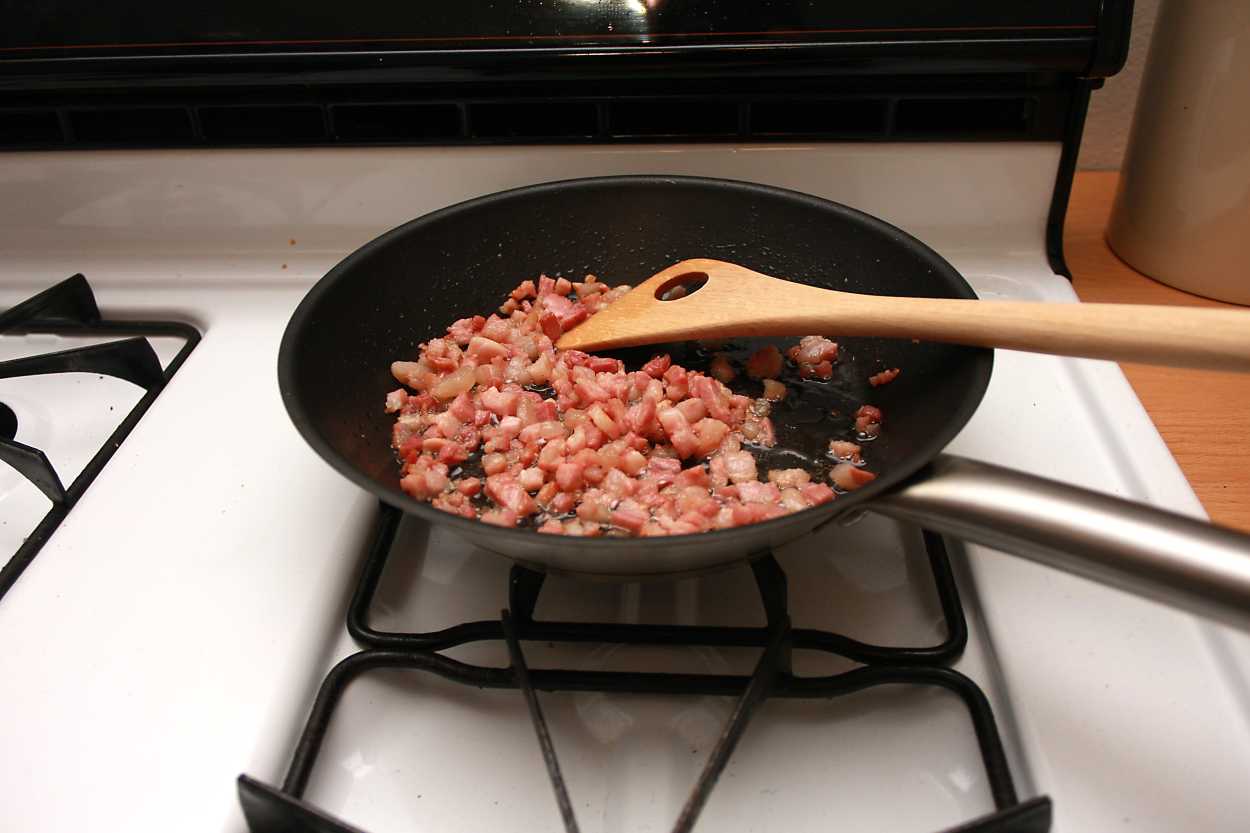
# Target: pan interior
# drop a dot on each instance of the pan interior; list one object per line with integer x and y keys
{"x": 381, "y": 302}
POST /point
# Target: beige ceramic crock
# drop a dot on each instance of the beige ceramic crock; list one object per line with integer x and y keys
{"x": 1182, "y": 212}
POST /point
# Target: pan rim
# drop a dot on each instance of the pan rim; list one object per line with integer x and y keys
{"x": 929, "y": 448}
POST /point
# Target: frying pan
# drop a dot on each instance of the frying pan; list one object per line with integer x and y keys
{"x": 406, "y": 286}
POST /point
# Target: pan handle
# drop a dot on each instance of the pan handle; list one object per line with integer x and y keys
{"x": 1187, "y": 563}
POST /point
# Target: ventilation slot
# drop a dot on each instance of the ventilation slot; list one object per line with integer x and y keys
{"x": 262, "y": 125}
{"x": 534, "y": 120}
{"x": 502, "y": 111}
{"x": 674, "y": 118}
{"x": 396, "y": 122}
{"x": 31, "y": 127}
{"x": 967, "y": 117}
{"x": 852, "y": 117}
{"x": 132, "y": 126}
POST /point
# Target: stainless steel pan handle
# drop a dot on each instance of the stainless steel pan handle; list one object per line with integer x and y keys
{"x": 1180, "y": 561}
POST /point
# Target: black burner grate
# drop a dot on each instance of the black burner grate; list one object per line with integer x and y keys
{"x": 270, "y": 810}
{"x": 69, "y": 308}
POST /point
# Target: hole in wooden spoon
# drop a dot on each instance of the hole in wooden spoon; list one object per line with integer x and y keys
{"x": 679, "y": 286}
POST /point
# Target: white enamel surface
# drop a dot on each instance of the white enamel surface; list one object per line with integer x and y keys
{"x": 172, "y": 633}
{"x": 179, "y": 207}
{"x": 66, "y": 415}
{"x": 631, "y": 760}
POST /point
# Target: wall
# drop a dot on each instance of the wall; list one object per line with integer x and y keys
{"x": 1111, "y": 109}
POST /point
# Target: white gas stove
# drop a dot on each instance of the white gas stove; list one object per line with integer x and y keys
{"x": 175, "y": 629}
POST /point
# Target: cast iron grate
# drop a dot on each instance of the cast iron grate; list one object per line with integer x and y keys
{"x": 283, "y": 810}
{"x": 69, "y": 308}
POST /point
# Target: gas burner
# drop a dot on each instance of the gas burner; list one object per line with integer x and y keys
{"x": 69, "y": 309}
{"x": 270, "y": 810}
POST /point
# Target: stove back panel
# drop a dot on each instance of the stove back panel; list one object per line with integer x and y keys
{"x": 148, "y": 26}
{"x": 252, "y": 74}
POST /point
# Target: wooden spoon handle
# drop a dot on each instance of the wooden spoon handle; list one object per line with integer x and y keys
{"x": 1177, "y": 336}
{"x": 735, "y": 301}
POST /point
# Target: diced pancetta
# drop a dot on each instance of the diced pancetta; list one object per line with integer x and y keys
{"x": 493, "y": 422}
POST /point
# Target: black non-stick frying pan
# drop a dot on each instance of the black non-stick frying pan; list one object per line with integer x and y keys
{"x": 406, "y": 286}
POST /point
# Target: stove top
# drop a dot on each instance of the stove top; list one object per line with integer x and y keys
{"x": 56, "y": 436}
{"x": 659, "y": 697}
{"x": 176, "y": 628}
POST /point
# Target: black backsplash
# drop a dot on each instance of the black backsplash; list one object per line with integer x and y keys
{"x": 146, "y": 25}
{"x": 83, "y": 75}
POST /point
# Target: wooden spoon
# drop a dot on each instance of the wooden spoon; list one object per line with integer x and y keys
{"x": 735, "y": 301}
